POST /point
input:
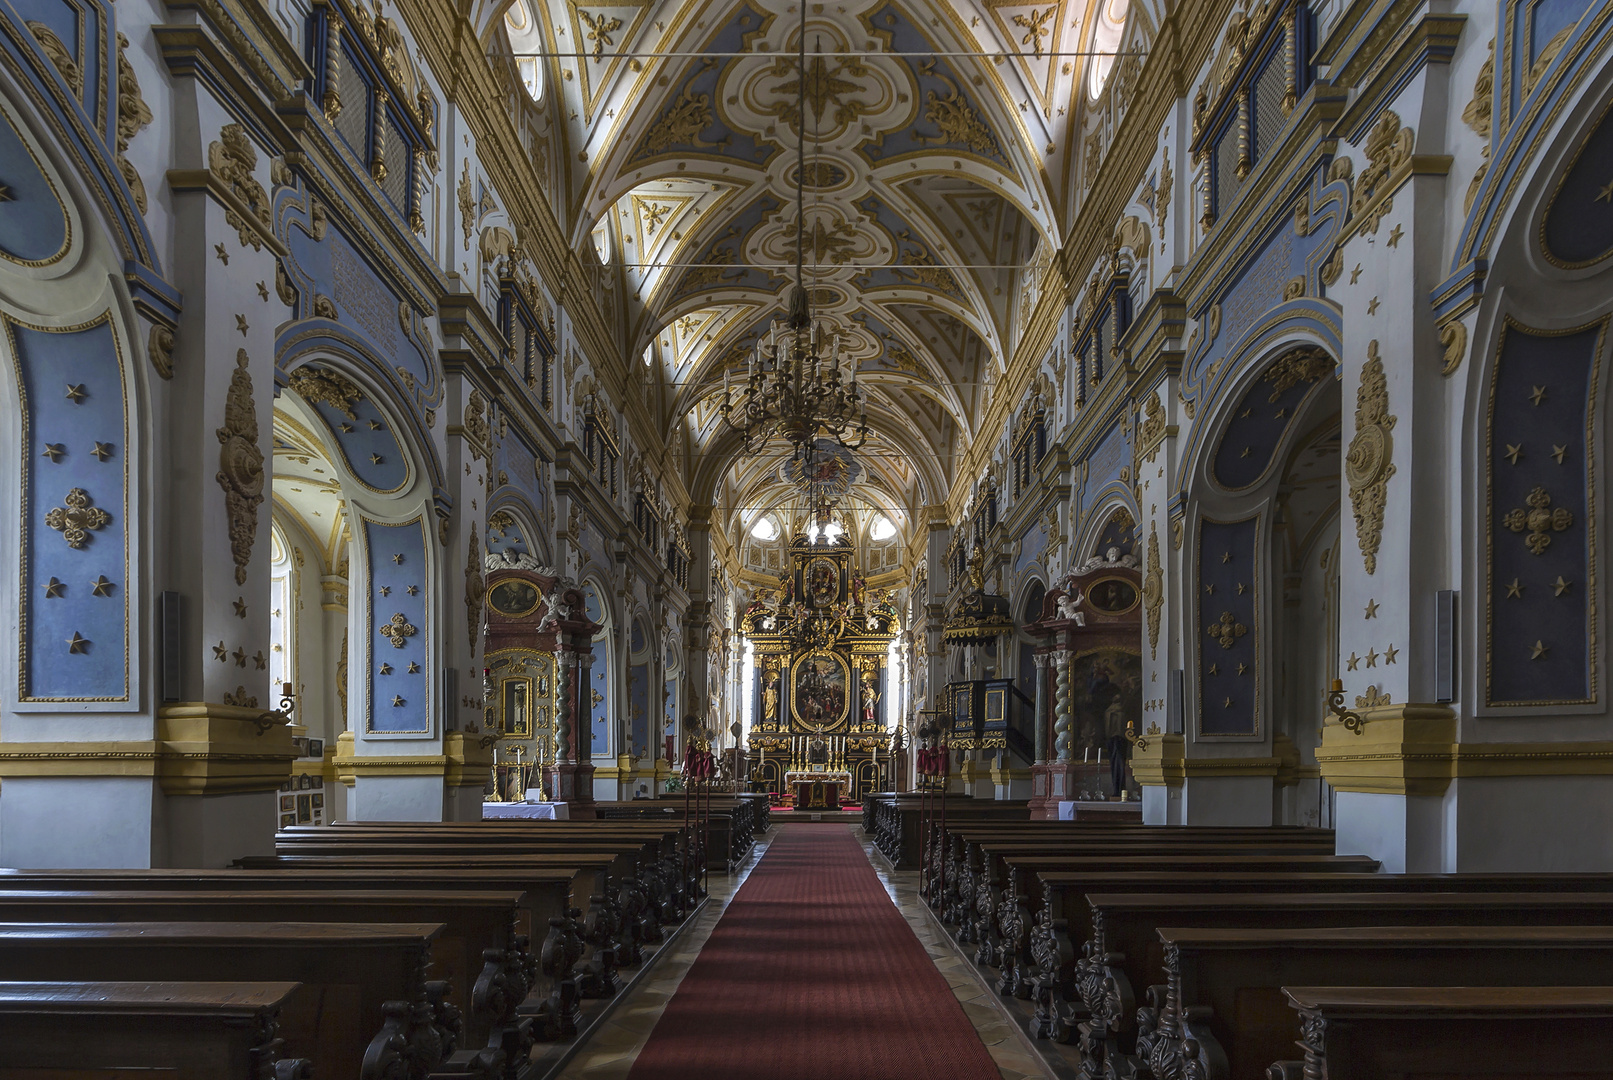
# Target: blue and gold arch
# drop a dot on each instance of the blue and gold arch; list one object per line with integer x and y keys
{"x": 1266, "y": 412}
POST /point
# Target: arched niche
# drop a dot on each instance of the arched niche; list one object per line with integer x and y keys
{"x": 1260, "y": 605}
{"x": 598, "y": 696}
{"x": 376, "y": 474}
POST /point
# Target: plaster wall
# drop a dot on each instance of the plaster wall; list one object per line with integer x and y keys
{"x": 1162, "y": 805}
{"x": 103, "y": 822}
{"x": 1227, "y": 800}
{"x": 1530, "y": 824}
{"x": 396, "y": 798}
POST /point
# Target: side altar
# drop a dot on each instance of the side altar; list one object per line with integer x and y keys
{"x": 821, "y": 639}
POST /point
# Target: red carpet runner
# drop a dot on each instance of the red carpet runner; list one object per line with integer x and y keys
{"x": 812, "y": 974}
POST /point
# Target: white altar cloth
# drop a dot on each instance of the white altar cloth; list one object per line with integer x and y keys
{"x": 532, "y": 811}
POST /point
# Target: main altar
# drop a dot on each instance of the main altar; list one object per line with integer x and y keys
{"x": 821, "y": 639}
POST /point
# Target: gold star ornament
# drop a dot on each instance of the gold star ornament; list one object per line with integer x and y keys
{"x": 78, "y": 643}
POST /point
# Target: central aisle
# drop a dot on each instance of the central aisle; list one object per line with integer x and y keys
{"x": 813, "y": 973}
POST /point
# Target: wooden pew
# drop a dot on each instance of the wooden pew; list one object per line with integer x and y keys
{"x": 176, "y": 1031}
{"x": 616, "y": 931}
{"x": 644, "y": 890}
{"x": 1481, "y": 1032}
{"x": 1059, "y": 938}
{"x": 371, "y": 1012}
{"x": 897, "y": 834}
{"x": 1222, "y": 1013}
{"x": 982, "y": 858}
{"x": 1007, "y": 903}
{"x": 555, "y": 901}
{"x": 482, "y": 954}
{"x": 1125, "y": 951}
{"x": 655, "y": 854}
{"x": 957, "y": 852}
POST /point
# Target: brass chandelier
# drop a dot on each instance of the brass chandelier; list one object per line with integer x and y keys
{"x": 794, "y": 387}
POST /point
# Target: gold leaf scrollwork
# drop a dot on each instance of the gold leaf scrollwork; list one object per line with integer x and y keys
{"x": 1388, "y": 149}
{"x": 1477, "y": 114}
{"x": 953, "y": 117}
{"x": 160, "y": 350}
{"x": 77, "y": 519}
{"x": 1368, "y": 464}
{"x": 1334, "y": 267}
{"x": 1151, "y": 431}
{"x": 1374, "y": 697}
{"x": 1303, "y": 365}
{"x": 133, "y": 114}
{"x": 284, "y": 289}
{"x": 1164, "y": 196}
{"x": 467, "y": 205}
{"x": 1539, "y": 521}
{"x": 341, "y": 677}
{"x": 823, "y": 88}
{"x": 398, "y": 630}
{"x": 1453, "y": 336}
{"x": 477, "y": 429}
{"x": 233, "y": 161}
{"x": 320, "y": 385}
{"x": 240, "y": 699}
{"x": 240, "y": 465}
{"x": 680, "y": 125}
{"x": 1226, "y": 630}
{"x": 474, "y": 587}
{"x": 1153, "y": 590}
{"x": 58, "y": 54}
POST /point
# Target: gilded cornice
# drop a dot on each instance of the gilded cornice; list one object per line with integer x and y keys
{"x": 200, "y": 749}
{"x": 1412, "y": 750}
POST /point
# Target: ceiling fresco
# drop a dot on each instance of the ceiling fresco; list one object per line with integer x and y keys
{"x": 937, "y": 137}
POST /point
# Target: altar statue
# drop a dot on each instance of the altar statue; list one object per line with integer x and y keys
{"x": 870, "y": 699}
{"x": 770, "y": 699}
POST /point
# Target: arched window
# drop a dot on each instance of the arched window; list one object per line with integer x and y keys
{"x": 1105, "y": 40}
{"x": 598, "y": 692}
{"x": 525, "y": 38}
{"x": 282, "y": 610}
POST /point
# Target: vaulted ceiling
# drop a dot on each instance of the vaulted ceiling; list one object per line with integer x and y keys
{"x": 938, "y": 138}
